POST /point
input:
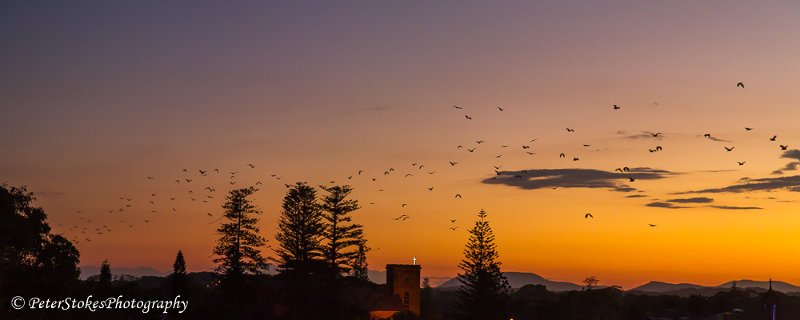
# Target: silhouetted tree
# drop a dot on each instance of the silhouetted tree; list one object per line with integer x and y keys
{"x": 484, "y": 290}
{"x": 239, "y": 242}
{"x": 300, "y": 229}
{"x": 57, "y": 262}
{"x": 104, "y": 281}
{"x": 179, "y": 274}
{"x": 31, "y": 257}
{"x": 307, "y": 283}
{"x": 343, "y": 237}
{"x": 360, "y": 264}
{"x": 179, "y": 266}
{"x": 590, "y": 282}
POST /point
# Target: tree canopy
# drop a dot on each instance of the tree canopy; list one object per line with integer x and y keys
{"x": 300, "y": 229}
{"x": 30, "y": 255}
{"x": 238, "y": 247}
{"x": 484, "y": 291}
{"x": 344, "y": 239}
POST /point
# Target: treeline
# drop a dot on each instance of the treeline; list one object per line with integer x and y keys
{"x": 535, "y": 302}
{"x": 320, "y": 257}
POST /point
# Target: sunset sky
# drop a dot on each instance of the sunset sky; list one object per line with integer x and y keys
{"x": 96, "y": 96}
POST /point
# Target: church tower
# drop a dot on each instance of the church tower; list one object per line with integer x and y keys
{"x": 403, "y": 279}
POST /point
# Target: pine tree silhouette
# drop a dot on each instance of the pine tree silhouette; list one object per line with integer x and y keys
{"x": 484, "y": 292}
{"x": 104, "y": 281}
{"x": 360, "y": 264}
{"x": 307, "y": 283}
{"x": 178, "y": 275}
{"x": 239, "y": 242}
{"x": 343, "y": 237}
{"x": 300, "y": 230}
{"x": 179, "y": 267}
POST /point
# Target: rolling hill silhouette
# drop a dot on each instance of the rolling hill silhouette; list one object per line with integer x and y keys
{"x": 139, "y": 272}
{"x": 88, "y": 271}
{"x": 520, "y": 279}
{"x": 776, "y": 285}
{"x": 678, "y": 288}
{"x": 664, "y": 287}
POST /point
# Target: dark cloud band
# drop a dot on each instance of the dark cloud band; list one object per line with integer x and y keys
{"x": 791, "y": 183}
{"x": 576, "y": 178}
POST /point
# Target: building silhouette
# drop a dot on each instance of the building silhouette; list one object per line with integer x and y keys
{"x": 402, "y": 292}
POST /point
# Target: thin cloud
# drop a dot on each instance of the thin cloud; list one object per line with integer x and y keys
{"x": 791, "y": 183}
{"x": 665, "y": 205}
{"x": 575, "y": 178}
{"x": 643, "y": 135}
{"x": 712, "y": 138}
{"x": 792, "y": 154}
{"x": 649, "y": 170}
{"x": 789, "y": 167}
{"x": 737, "y": 208}
{"x": 692, "y": 200}
{"x": 636, "y": 196}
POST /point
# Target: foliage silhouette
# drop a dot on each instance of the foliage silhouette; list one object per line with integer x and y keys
{"x": 300, "y": 230}
{"x": 178, "y": 276}
{"x": 359, "y": 263}
{"x": 591, "y": 282}
{"x": 343, "y": 237}
{"x": 237, "y": 248}
{"x": 104, "y": 281}
{"x": 32, "y": 259}
{"x": 483, "y": 294}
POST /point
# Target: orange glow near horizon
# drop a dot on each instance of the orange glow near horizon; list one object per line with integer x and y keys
{"x": 316, "y": 98}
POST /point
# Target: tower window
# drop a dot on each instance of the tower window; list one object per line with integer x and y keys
{"x": 406, "y": 301}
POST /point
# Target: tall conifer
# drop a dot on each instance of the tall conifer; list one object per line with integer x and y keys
{"x": 238, "y": 246}
{"x": 484, "y": 290}
{"x": 300, "y": 229}
{"x": 343, "y": 237}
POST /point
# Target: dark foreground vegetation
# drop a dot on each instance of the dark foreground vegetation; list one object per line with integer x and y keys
{"x": 264, "y": 297}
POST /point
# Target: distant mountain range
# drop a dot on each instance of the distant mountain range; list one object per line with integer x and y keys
{"x": 88, "y": 271}
{"x": 520, "y": 279}
{"x": 688, "y": 288}
{"x": 375, "y": 276}
{"x": 664, "y": 287}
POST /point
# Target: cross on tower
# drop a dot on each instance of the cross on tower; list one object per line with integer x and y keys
{"x": 415, "y": 260}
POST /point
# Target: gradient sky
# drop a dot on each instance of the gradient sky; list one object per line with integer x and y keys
{"x": 96, "y": 96}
